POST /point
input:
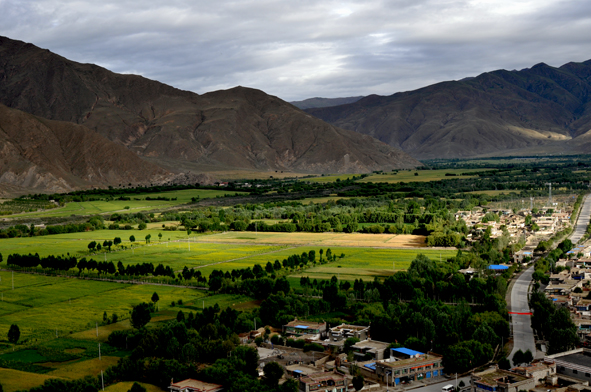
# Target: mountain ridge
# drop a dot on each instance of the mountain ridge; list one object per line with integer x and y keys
{"x": 490, "y": 114}
{"x": 237, "y": 128}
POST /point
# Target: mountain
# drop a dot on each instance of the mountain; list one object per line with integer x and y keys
{"x": 538, "y": 110}
{"x": 239, "y": 128}
{"x": 40, "y": 155}
{"x": 324, "y": 102}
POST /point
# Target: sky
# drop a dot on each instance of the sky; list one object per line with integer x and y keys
{"x": 300, "y": 49}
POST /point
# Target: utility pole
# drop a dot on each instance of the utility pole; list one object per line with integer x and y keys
{"x": 13, "y": 280}
{"x": 102, "y": 380}
{"x": 549, "y": 193}
{"x": 97, "y": 329}
{"x": 100, "y": 352}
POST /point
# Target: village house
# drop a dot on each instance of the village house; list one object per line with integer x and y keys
{"x": 499, "y": 380}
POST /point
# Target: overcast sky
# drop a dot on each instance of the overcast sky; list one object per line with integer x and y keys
{"x": 300, "y": 49}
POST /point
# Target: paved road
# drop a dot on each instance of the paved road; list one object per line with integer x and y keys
{"x": 523, "y": 335}
{"x": 435, "y": 387}
{"x": 583, "y": 220}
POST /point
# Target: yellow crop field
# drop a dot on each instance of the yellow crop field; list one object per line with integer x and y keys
{"x": 15, "y": 380}
{"x": 325, "y": 239}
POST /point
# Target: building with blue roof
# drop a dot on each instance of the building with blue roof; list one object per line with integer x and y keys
{"x": 308, "y": 330}
{"x": 498, "y": 267}
{"x": 403, "y": 366}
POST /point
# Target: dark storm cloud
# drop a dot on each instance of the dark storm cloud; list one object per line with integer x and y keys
{"x": 302, "y": 49}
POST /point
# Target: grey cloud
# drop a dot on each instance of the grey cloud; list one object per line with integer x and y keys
{"x": 297, "y": 50}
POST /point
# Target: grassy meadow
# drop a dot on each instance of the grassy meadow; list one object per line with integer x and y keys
{"x": 16, "y": 380}
{"x": 423, "y": 175}
{"x": 358, "y": 262}
{"x": 40, "y": 305}
{"x": 104, "y": 207}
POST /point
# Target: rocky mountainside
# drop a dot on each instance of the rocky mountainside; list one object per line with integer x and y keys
{"x": 533, "y": 111}
{"x": 40, "y": 155}
{"x": 180, "y": 130}
{"x": 324, "y": 102}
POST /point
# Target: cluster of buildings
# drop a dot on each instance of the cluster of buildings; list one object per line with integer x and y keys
{"x": 568, "y": 289}
{"x": 376, "y": 361}
{"x": 514, "y": 224}
{"x": 568, "y": 371}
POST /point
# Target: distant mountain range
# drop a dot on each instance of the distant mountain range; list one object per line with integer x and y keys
{"x": 174, "y": 130}
{"x": 317, "y": 102}
{"x": 540, "y": 110}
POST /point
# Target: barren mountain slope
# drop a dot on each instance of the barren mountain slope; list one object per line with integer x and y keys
{"x": 237, "y": 128}
{"x": 42, "y": 155}
{"x": 492, "y": 113}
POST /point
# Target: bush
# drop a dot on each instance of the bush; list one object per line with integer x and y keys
{"x": 137, "y": 388}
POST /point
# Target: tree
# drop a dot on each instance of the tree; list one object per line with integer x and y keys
{"x": 350, "y": 342}
{"x": 140, "y": 315}
{"x": 137, "y": 388}
{"x": 273, "y": 372}
{"x": 14, "y": 333}
{"x": 505, "y": 364}
{"x": 527, "y": 357}
{"x": 159, "y": 236}
{"x": 116, "y": 241}
{"x": 358, "y": 382}
{"x": 148, "y": 238}
{"x": 142, "y": 226}
{"x": 92, "y": 245}
{"x": 155, "y": 298}
{"x": 518, "y": 358}
{"x": 132, "y": 239}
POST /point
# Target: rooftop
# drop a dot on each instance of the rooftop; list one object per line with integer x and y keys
{"x": 372, "y": 344}
{"x": 407, "y": 351}
{"x": 351, "y": 327}
{"x": 301, "y": 324}
{"x": 419, "y": 361}
{"x": 580, "y": 358}
{"x": 496, "y": 376}
{"x": 195, "y": 385}
{"x": 320, "y": 377}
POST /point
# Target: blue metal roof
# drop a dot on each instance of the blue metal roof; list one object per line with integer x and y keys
{"x": 497, "y": 267}
{"x": 407, "y": 351}
{"x": 297, "y": 371}
{"x": 302, "y": 326}
{"x": 371, "y": 366}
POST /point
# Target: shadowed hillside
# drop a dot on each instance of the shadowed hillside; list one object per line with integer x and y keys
{"x": 535, "y": 110}
{"x": 42, "y": 155}
{"x": 237, "y": 128}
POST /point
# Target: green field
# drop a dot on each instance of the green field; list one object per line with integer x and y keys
{"x": 126, "y": 386}
{"x": 333, "y": 178}
{"x": 103, "y": 207}
{"x": 77, "y": 243}
{"x": 423, "y": 175}
{"x": 358, "y": 262}
{"x": 175, "y": 254}
{"x": 41, "y": 305}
